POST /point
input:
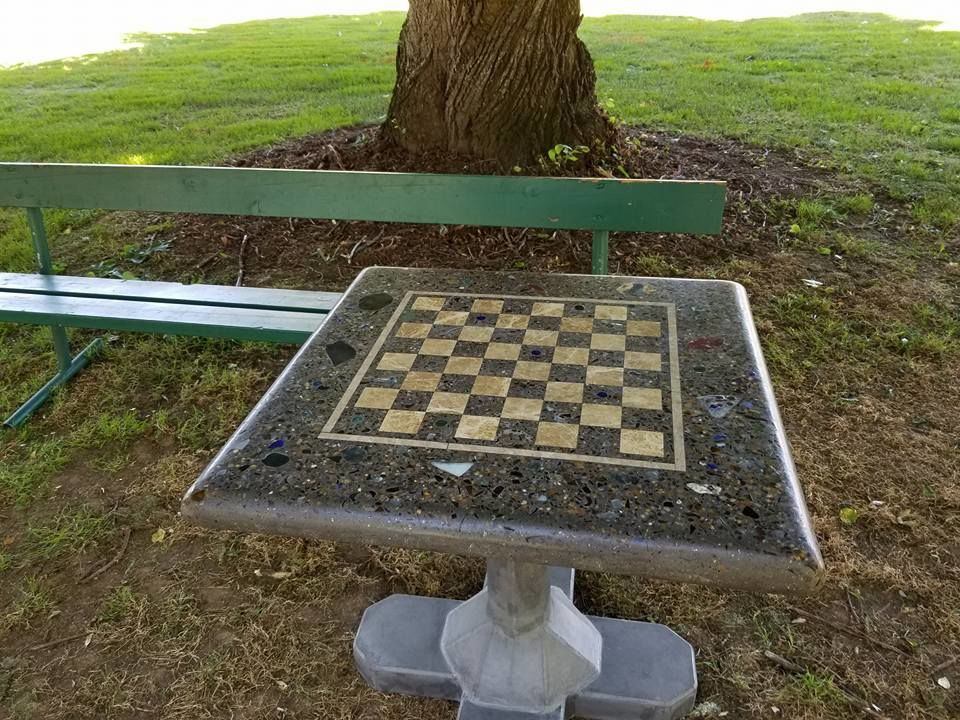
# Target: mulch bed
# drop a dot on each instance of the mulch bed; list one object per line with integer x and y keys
{"x": 322, "y": 254}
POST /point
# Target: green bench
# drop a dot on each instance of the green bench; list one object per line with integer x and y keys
{"x": 600, "y": 206}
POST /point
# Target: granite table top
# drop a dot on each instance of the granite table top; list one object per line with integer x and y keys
{"x": 605, "y": 423}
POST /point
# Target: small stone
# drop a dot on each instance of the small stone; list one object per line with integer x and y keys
{"x": 340, "y": 352}
{"x": 718, "y": 406}
{"x": 705, "y": 710}
{"x": 374, "y": 302}
{"x": 455, "y": 469}
{"x": 354, "y": 454}
{"x": 275, "y": 459}
{"x": 704, "y": 489}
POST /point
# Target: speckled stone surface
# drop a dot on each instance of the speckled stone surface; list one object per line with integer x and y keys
{"x": 604, "y": 423}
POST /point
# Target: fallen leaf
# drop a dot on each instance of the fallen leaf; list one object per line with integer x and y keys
{"x": 276, "y": 575}
{"x": 158, "y": 535}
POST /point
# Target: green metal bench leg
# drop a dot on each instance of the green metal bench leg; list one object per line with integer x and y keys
{"x": 74, "y": 366}
{"x": 601, "y": 242}
{"x": 67, "y": 366}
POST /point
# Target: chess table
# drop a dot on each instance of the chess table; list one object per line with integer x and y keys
{"x": 544, "y": 422}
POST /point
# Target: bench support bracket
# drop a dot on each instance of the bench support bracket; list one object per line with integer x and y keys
{"x": 601, "y": 251}
{"x": 67, "y": 365}
{"x": 646, "y": 671}
{"x": 73, "y": 366}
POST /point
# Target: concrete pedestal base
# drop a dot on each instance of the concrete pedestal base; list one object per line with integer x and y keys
{"x": 647, "y": 670}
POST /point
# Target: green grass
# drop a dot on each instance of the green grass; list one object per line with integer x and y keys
{"x": 198, "y": 97}
{"x": 27, "y": 465}
{"x": 71, "y": 531}
{"x": 120, "y": 605}
{"x": 33, "y": 599}
{"x": 814, "y": 690}
{"x": 192, "y": 390}
{"x": 876, "y": 96}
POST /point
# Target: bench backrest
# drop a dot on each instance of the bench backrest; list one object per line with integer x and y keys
{"x": 597, "y": 204}
{"x": 562, "y": 203}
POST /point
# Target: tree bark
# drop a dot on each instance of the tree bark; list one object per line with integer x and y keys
{"x": 502, "y": 80}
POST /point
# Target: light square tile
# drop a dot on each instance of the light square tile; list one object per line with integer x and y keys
{"x": 490, "y": 385}
{"x": 576, "y": 325}
{"x": 557, "y": 435}
{"x": 502, "y": 351}
{"x": 610, "y": 312}
{"x": 463, "y": 366}
{"x": 603, "y": 341}
{"x": 423, "y": 381}
{"x": 546, "y": 338}
{"x": 608, "y": 416}
{"x": 436, "y": 346}
{"x": 521, "y": 408}
{"x": 487, "y": 306}
{"x": 641, "y": 442}
{"x": 526, "y": 370}
{"x": 645, "y": 328}
{"x": 509, "y": 321}
{"x": 605, "y": 376}
{"x": 564, "y": 392}
{"x": 447, "y": 402}
{"x": 451, "y": 317}
{"x": 571, "y": 356}
{"x": 643, "y": 398}
{"x": 414, "y": 330}
{"x": 548, "y": 309}
{"x": 475, "y": 427}
{"x": 642, "y": 361}
{"x": 402, "y": 421}
{"x": 396, "y": 361}
{"x": 379, "y": 398}
{"x": 429, "y": 303}
{"x": 475, "y": 333}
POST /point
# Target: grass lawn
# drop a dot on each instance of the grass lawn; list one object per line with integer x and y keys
{"x": 861, "y": 111}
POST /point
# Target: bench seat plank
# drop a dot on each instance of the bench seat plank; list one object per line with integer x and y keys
{"x": 170, "y": 292}
{"x": 161, "y": 317}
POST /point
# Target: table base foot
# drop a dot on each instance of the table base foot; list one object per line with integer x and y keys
{"x": 469, "y": 711}
{"x": 648, "y": 671}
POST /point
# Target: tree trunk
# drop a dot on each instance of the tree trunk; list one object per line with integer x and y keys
{"x": 493, "y": 79}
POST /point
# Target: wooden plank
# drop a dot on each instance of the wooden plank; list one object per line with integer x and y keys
{"x": 127, "y": 315}
{"x": 558, "y": 203}
{"x": 170, "y": 292}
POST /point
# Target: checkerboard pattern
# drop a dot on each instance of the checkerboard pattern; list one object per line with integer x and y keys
{"x": 586, "y": 378}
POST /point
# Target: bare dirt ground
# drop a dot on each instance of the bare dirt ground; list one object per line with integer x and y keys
{"x": 193, "y": 624}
